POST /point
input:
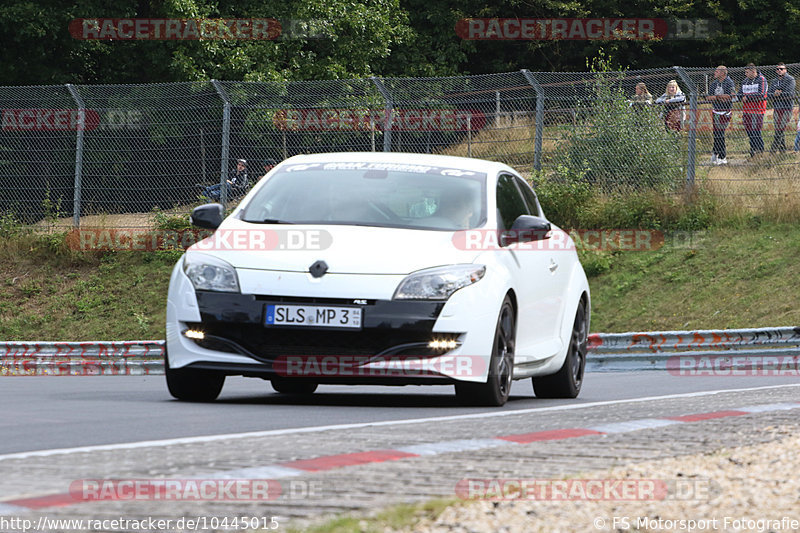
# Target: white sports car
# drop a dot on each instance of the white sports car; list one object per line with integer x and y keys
{"x": 380, "y": 268}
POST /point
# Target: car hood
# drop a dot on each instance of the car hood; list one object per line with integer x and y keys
{"x": 345, "y": 249}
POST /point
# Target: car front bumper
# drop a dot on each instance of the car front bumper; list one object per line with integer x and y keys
{"x": 392, "y": 346}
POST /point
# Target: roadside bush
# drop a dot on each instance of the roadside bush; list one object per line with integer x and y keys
{"x": 619, "y": 146}
{"x": 595, "y": 262}
{"x": 570, "y": 202}
{"x": 163, "y": 221}
{"x": 565, "y": 196}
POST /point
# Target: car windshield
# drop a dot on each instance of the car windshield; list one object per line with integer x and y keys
{"x": 371, "y": 194}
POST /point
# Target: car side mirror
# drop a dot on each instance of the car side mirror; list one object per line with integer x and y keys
{"x": 526, "y": 228}
{"x": 207, "y": 216}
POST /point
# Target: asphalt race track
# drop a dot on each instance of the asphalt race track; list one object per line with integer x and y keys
{"x": 42, "y": 413}
{"x": 344, "y": 449}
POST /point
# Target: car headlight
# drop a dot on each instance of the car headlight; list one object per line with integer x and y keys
{"x": 438, "y": 283}
{"x": 207, "y": 273}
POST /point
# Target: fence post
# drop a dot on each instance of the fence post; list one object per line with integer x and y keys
{"x": 469, "y": 135}
{"x": 76, "y": 197}
{"x": 497, "y": 109}
{"x": 388, "y": 111}
{"x": 692, "y": 151}
{"x": 226, "y": 143}
{"x": 537, "y": 143}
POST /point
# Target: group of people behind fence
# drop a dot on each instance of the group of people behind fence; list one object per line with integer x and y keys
{"x": 754, "y": 93}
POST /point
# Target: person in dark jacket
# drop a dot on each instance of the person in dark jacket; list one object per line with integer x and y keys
{"x": 781, "y": 91}
{"x": 753, "y": 94}
{"x": 236, "y": 183}
{"x": 269, "y": 164}
{"x": 721, "y": 93}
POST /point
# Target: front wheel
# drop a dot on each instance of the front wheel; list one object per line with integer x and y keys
{"x": 192, "y": 384}
{"x": 495, "y": 391}
{"x": 566, "y": 383}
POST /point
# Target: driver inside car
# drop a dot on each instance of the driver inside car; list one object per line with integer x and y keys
{"x": 457, "y": 208}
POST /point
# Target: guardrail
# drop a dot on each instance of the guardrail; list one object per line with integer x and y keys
{"x": 81, "y": 358}
{"x": 660, "y": 350}
{"x": 608, "y": 352}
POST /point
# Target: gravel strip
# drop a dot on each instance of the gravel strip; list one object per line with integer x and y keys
{"x": 749, "y": 488}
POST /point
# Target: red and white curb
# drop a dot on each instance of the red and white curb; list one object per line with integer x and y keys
{"x": 331, "y": 462}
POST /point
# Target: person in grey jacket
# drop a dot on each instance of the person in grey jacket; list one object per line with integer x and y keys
{"x": 781, "y": 91}
{"x": 721, "y": 93}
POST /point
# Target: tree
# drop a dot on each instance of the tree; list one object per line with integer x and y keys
{"x": 346, "y": 39}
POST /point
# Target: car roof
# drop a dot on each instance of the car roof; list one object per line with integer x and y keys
{"x": 466, "y": 163}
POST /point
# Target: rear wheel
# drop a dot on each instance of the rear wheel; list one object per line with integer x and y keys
{"x": 501, "y": 365}
{"x": 566, "y": 383}
{"x": 290, "y": 386}
{"x": 193, "y": 384}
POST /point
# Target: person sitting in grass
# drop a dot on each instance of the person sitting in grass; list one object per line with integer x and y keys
{"x": 236, "y": 183}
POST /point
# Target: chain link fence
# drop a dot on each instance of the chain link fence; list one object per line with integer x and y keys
{"x": 86, "y": 154}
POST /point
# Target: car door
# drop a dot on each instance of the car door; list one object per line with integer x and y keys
{"x": 559, "y": 257}
{"x": 528, "y": 264}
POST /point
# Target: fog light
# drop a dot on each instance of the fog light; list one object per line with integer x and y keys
{"x": 194, "y": 334}
{"x": 443, "y": 344}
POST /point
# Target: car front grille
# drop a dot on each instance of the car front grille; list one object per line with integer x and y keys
{"x": 267, "y": 344}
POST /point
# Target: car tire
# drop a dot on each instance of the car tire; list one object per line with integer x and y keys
{"x": 566, "y": 383}
{"x": 290, "y": 386}
{"x": 193, "y": 384}
{"x": 495, "y": 391}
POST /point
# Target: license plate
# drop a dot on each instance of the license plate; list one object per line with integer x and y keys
{"x": 313, "y": 315}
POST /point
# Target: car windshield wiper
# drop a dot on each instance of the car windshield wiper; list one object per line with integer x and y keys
{"x": 269, "y": 221}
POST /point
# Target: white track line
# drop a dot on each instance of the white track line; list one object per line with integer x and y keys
{"x": 436, "y": 448}
{"x": 6, "y": 509}
{"x": 294, "y": 431}
{"x": 632, "y": 425}
{"x": 768, "y": 407}
{"x": 258, "y": 472}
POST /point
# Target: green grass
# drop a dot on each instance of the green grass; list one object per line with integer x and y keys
{"x": 717, "y": 278}
{"x": 738, "y": 276}
{"x": 392, "y": 518}
{"x": 50, "y": 292}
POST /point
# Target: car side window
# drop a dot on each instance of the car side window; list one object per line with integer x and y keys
{"x": 530, "y": 198}
{"x": 510, "y": 203}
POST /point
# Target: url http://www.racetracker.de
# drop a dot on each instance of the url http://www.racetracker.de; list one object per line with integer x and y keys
{"x": 195, "y": 523}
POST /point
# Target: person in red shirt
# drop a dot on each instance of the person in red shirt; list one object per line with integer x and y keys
{"x": 754, "y": 104}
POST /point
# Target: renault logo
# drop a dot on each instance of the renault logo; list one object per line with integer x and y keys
{"x": 318, "y": 269}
